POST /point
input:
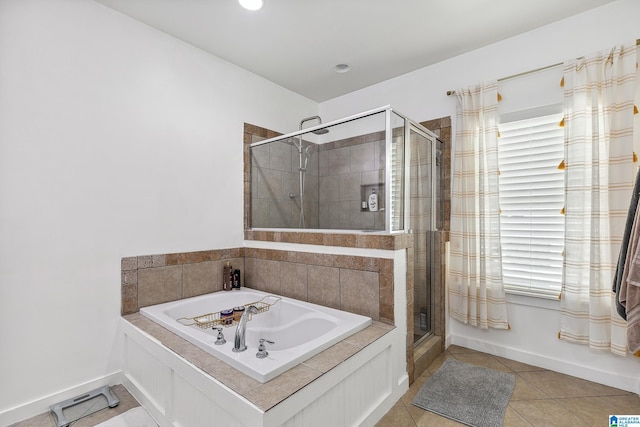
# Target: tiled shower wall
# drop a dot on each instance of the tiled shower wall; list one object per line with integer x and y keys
{"x": 275, "y": 179}
{"x": 335, "y": 174}
{"x": 345, "y": 166}
{"x": 442, "y": 128}
{"x": 361, "y": 285}
{"x": 256, "y": 212}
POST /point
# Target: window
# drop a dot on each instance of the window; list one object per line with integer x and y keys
{"x": 531, "y": 200}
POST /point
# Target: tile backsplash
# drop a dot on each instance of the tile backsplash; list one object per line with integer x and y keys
{"x": 362, "y": 285}
{"x": 154, "y": 279}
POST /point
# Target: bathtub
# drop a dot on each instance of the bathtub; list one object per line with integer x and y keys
{"x": 298, "y": 330}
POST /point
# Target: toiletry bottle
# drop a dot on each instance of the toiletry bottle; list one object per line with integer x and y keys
{"x": 227, "y": 317}
{"x": 238, "y": 312}
{"x": 227, "y": 280}
{"x": 236, "y": 279}
{"x": 230, "y": 277}
{"x": 373, "y": 201}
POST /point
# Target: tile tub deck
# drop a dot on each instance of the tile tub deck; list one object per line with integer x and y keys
{"x": 264, "y": 396}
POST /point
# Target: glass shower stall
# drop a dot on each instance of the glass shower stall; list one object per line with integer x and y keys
{"x": 376, "y": 171}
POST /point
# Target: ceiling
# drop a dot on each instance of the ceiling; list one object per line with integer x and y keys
{"x": 297, "y": 43}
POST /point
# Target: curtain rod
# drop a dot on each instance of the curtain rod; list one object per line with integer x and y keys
{"x": 524, "y": 73}
{"x": 452, "y": 92}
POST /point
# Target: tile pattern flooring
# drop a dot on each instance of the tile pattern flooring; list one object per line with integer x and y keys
{"x": 540, "y": 397}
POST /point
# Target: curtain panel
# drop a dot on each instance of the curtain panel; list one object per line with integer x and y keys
{"x": 599, "y": 177}
{"x": 476, "y": 291}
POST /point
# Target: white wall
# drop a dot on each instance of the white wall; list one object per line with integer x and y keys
{"x": 422, "y": 95}
{"x": 115, "y": 140}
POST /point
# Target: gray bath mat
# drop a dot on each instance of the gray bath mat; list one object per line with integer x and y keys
{"x": 469, "y": 394}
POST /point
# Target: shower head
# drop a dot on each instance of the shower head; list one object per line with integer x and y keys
{"x": 309, "y": 150}
{"x": 299, "y": 145}
{"x": 321, "y": 131}
{"x": 292, "y": 141}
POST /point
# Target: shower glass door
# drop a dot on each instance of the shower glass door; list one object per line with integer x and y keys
{"x": 422, "y": 193}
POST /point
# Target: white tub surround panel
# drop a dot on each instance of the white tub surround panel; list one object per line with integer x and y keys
{"x": 182, "y": 385}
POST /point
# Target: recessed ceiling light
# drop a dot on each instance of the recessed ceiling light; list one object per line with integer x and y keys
{"x": 251, "y": 4}
{"x": 342, "y": 68}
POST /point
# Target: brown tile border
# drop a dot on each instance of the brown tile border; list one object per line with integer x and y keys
{"x": 346, "y": 240}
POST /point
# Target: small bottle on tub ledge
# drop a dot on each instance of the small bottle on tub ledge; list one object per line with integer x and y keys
{"x": 236, "y": 279}
{"x": 227, "y": 277}
{"x": 237, "y": 313}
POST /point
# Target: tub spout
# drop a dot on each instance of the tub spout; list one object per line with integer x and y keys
{"x": 239, "y": 342}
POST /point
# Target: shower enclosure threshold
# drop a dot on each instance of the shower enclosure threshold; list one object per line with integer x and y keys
{"x": 425, "y": 352}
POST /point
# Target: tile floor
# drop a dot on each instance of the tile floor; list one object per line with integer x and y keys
{"x": 540, "y": 397}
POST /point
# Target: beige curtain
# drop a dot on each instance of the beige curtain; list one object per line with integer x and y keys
{"x": 598, "y": 92}
{"x": 476, "y": 291}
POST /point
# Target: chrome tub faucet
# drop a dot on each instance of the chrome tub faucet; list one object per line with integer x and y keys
{"x": 239, "y": 342}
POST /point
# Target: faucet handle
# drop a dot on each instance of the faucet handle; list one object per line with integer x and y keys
{"x": 262, "y": 351}
{"x": 220, "y": 339}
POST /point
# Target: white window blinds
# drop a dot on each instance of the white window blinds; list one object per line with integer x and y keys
{"x": 531, "y": 200}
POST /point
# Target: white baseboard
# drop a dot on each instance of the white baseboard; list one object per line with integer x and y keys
{"x": 629, "y": 382}
{"x": 447, "y": 341}
{"x": 41, "y": 405}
